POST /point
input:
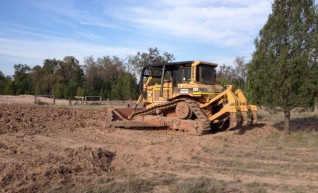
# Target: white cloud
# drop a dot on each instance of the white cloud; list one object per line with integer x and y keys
{"x": 74, "y": 10}
{"x": 34, "y": 52}
{"x": 226, "y": 23}
{"x": 208, "y": 2}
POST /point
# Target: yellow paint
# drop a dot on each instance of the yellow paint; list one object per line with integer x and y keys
{"x": 203, "y": 92}
{"x": 159, "y": 89}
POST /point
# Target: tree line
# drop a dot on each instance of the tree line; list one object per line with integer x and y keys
{"x": 105, "y": 76}
{"x": 110, "y": 76}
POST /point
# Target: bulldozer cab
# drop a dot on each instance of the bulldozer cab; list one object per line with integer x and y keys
{"x": 182, "y": 72}
{"x": 161, "y": 83}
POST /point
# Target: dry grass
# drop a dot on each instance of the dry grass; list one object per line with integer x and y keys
{"x": 184, "y": 185}
{"x": 136, "y": 185}
{"x": 256, "y": 188}
{"x": 296, "y": 139}
{"x": 131, "y": 185}
{"x": 298, "y": 118}
{"x": 198, "y": 185}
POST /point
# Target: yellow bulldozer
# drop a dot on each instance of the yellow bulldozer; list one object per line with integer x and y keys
{"x": 184, "y": 97}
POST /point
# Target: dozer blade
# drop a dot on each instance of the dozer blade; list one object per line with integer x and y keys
{"x": 119, "y": 118}
{"x": 119, "y": 114}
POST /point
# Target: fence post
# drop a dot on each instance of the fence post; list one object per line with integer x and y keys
{"x": 316, "y": 108}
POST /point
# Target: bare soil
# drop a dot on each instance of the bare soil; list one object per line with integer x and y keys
{"x": 61, "y": 149}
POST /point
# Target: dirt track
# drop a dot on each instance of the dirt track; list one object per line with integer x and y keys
{"x": 58, "y": 149}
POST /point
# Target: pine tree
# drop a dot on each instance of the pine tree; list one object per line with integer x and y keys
{"x": 283, "y": 71}
{"x": 70, "y": 90}
{"x": 3, "y": 83}
{"x": 58, "y": 91}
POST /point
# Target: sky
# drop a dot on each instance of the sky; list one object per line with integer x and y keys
{"x": 210, "y": 30}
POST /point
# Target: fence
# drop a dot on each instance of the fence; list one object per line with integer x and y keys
{"x": 80, "y": 97}
{"x": 88, "y": 97}
{"x": 38, "y": 101}
{"x": 82, "y": 100}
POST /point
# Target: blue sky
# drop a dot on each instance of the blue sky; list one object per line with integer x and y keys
{"x": 210, "y": 30}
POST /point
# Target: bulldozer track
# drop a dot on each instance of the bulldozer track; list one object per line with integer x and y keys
{"x": 165, "y": 132}
{"x": 205, "y": 128}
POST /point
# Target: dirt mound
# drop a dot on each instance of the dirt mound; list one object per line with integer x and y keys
{"x": 30, "y": 161}
{"x": 35, "y": 167}
{"x": 38, "y": 119}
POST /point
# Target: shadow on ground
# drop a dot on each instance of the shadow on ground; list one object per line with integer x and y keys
{"x": 300, "y": 124}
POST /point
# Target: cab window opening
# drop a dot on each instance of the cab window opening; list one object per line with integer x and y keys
{"x": 186, "y": 74}
{"x": 206, "y": 74}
